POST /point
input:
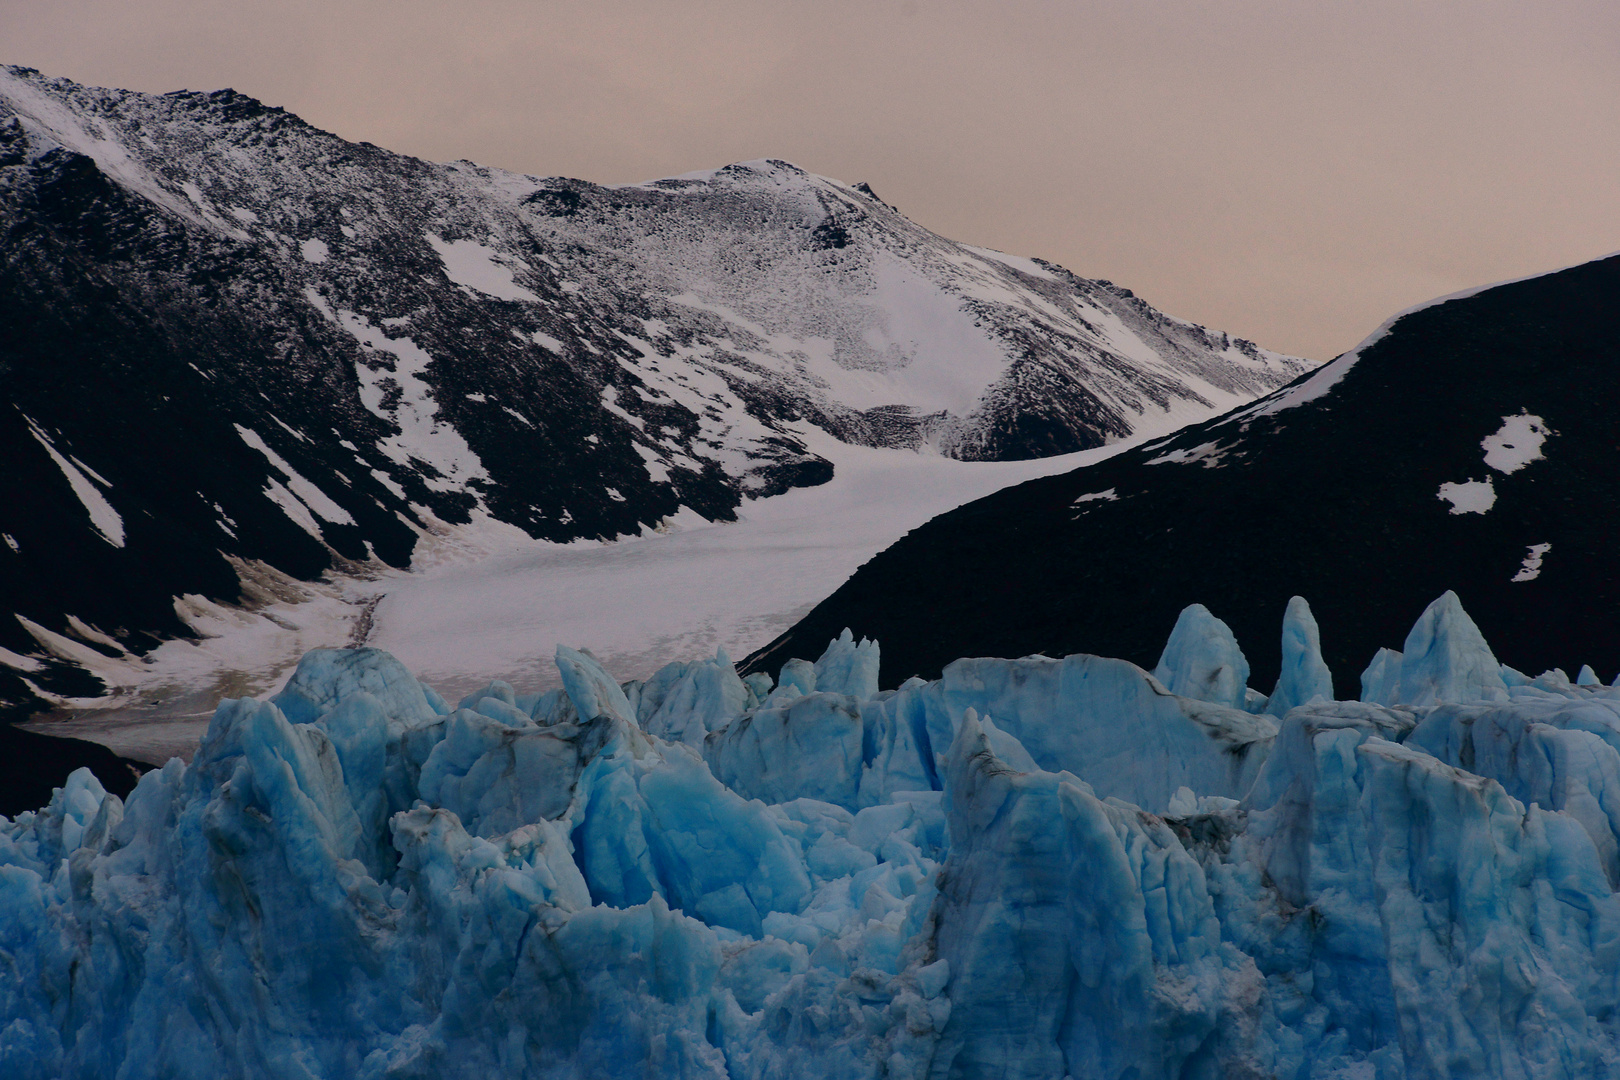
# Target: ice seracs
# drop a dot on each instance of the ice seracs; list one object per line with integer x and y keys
{"x": 1305, "y": 675}
{"x": 1202, "y": 660}
{"x": 1027, "y": 868}
{"x": 1446, "y": 658}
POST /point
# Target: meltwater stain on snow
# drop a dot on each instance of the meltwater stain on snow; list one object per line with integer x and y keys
{"x": 1517, "y": 443}
{"x": 1532, "y": 563}
{"x": 1469, "y": 497}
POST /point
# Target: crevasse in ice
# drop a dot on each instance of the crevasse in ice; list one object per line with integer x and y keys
{"x": 1027, "y": 868}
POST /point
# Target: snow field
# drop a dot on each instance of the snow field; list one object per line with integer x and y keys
{"x": 484, "y": 599}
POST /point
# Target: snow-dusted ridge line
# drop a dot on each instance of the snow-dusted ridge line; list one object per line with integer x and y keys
{"x": 1329, "y": 374}
{"x": 862, "y": 378}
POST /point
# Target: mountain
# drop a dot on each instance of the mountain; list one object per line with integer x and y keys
{"x": 242, "y": 352}
{"x": 1469, "y": 445}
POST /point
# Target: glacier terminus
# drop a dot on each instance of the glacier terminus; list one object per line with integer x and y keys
{"x": 1033, "y": 868}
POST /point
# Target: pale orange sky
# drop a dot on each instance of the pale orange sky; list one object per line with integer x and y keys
{"x": 1290, "y": 172}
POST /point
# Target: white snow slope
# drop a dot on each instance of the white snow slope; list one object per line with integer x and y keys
{"x": 485, "y": 599}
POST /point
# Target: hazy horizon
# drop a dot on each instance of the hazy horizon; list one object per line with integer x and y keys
{"x": 1290, "y": 175}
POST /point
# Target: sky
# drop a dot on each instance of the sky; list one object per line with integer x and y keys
{"x": 1290, "y": 172}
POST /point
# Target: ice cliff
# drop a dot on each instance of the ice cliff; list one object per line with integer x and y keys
{"x": 1030, "y": 868}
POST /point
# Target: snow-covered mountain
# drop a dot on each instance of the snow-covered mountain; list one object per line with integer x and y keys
{"x": 1468, "y": 445}
{"x": 240, "y": 352}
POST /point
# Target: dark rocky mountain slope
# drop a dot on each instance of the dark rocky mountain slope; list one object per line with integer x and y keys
{"x": 1474, "y": 445}
{"x": 236, "y": 347}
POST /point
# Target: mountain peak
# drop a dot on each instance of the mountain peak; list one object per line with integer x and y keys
{"x": 363, "y": 348}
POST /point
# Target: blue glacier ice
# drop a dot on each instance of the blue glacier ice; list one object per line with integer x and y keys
{"x": 1381, "y": 682}
{"x": 1446, "y": 658}
{"x": 1305, "y": 675}
{"x": 684, "y": 702}
{"x": 849, "y": 667}
{"x": 1034, "y": 868}
{"x": 1202, "y": 660}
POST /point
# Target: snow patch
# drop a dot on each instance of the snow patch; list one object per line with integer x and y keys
{"x": 1532, "y": 562}
{"x": 1017, "y": 262}
{"x": 1097, "y": 496}
{"x": 106, "y": 520}
{"x": 1517, "y": 443}
{"x": 111, "y": 670}
{"x": 91, "y": 633}
{"x": 388, "y": 482}
{"x": 1469, "y": 497}
{"x": 290, "y": 505}
{"x": 315, "y": 251}
{"x": 303, "y": 490}
{"x": 422, "y": 436}
{"x": 1208, "y": 454}
{"x": 471, "y": 264}
{"x": 656, "y": 469}
{"x": 19, "y": 662}
{"x": 610, "y": 402}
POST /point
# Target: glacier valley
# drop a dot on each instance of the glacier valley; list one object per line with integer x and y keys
{"x": 1030, "y": 868}
{"x": 265, "y": 367}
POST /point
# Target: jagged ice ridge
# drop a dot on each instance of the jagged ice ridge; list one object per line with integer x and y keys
{"x": 1026, "y": 868}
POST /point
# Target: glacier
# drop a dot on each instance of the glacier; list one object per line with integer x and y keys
{"x": 1027, "y": 868}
